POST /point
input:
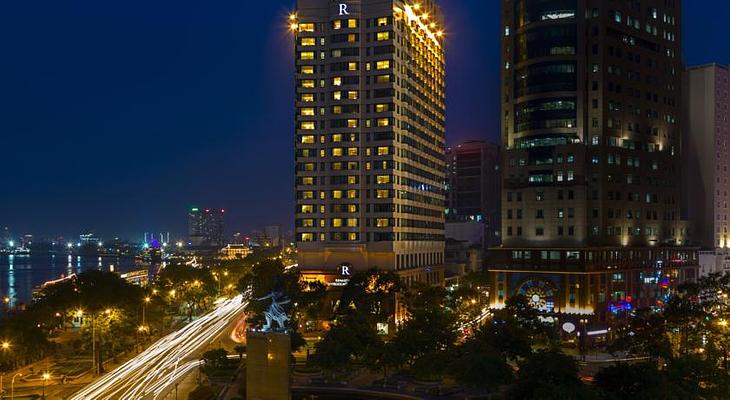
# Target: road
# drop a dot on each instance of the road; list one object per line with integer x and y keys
{"x": 155, "y": 371}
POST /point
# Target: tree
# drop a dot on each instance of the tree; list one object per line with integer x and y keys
{"x": 213, "y": 360}
{"x": 631, "y": 381}
{"x": 187, "y": 286}
{"x": 367, "y": 299}
{"x": 428, "y": 332}
{"x": 240, "y": 350}
{"x": 346, "y": 341}
{"x": 479, "y": 364}
{"x": 371, "y": 294}
{"x": 518, "y": 314}
{"x": 548, "y": 375}
{"x": 644, "y": 334}
{"x": 510, "y": 340}
{"x": 382, "y": 356}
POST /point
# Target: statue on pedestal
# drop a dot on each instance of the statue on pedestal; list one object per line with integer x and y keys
{"x": 275, "y": 312}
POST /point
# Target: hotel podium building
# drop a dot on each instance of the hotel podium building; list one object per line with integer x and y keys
{"x": 591, "y": 94}
{"x": 370, "y": 118}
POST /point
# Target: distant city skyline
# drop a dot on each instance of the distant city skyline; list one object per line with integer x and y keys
{"x": 184, "y": 104}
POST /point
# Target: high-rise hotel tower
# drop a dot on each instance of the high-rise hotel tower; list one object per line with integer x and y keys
{"x": 370, "y": 115}
{"x": 591, "y": 93}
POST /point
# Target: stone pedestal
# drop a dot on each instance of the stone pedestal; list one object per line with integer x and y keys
{"x": 267, "y": 366}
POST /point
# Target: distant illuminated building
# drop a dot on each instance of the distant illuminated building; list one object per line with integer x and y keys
{"x": 235, "y": 252}
{"x": 707, "y": 154}
{"x": 274, "y": 234}
{"x": 474, "y": 183}
{"x": 88, "y": 239}
{"x": 205, "y": 226}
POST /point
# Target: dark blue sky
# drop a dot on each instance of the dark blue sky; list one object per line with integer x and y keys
{"x": 116, "y": 116}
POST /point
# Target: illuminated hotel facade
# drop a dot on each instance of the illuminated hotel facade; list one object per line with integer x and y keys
{"x": 370, "y": 133}
{"x": 591, "y": 94}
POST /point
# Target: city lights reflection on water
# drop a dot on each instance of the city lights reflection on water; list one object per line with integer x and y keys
{"x": 20, "y": 274}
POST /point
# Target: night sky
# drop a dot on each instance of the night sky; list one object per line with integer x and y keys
{"x": 117, "y": 116}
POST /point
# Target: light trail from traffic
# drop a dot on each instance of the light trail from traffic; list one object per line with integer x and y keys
{"x": 151, "y": 373}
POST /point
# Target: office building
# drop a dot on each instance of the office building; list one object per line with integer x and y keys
{"x": 205, "y": 227}
{"x": 706, "y": 154}
{"x": 273, "y": 232}
{"x": 591, "y": 94}
{"x": 473, "y": 192}
{"x": 370, "y": 118}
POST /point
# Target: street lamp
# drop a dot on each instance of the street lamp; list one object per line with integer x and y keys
{"x": 144, "y": 307}
{"x": 46, "y": 377}
{"x": 12, "y": 385}
{"x": 582, "y": 342}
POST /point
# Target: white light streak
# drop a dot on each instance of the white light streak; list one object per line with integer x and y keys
{"x": 153, "y": 372}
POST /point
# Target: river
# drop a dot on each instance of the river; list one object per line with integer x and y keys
{"x": 20, "y": 274}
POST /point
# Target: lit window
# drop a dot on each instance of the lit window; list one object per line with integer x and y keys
{"x": 307, "y": 125}
{"x": 352, "y": 151}
{"x": 352, "y": 208}
{"x": 337, "y": 95}
{"x": 307, "y": 69}
{"x": 308, "y": 195}
{"x": 382, "y": 107}
{"x": 337, "y": 152}
{"x": 383, "y": 122}
{"x": 352, "y": 95}
{"x": 337, "y": 24}
{"x": 352, "y": 194}
{"x": 306, "y": 27}
{"x": 308, "y": 180}
{"x": 307, "y": 111}
{"x": 352, "y": 66}
{"x": 351, "y": 38}
{"x": 307, "y": 237}
{"x": 308, "y": 97}
{"x": 306, "y": 55}
{"x": 308, "y": 41}
{"x": 337, "y": 194}
{"x": 385, "y": 64}
{"x": 337, "y": 222}
{"x": 308, "y": 83}
{"x": 351, "y": 180}
{"x": 382, "y": 21}
{"x": 307, "y": 209}
{"x": 352, "y": 236}
{"x": 352, "y": 222}
{"x": 308, "y": 223}
{"x": 337, "y": 81}
{"x": 382, "y": 222}
{"x": 352, "y": 123}
{"x": 383, "y": 179}
{"x": 336, "y": 137}
{"x": 383, "y": 150}
{"x": 383, "y": 35}
{"x": 382, "y": 79}
{"x": 308, "y": 139}
{"x": 337, "y": 110}
{"x": 383, "y": 194}
{"x": 352, "y": 23}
